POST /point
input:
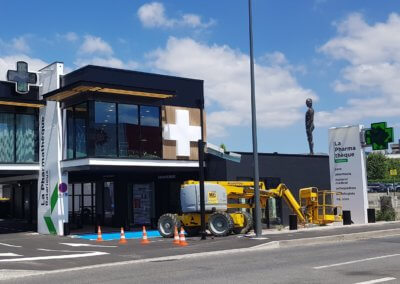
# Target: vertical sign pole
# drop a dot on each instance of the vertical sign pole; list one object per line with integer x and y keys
{"x": 394, "y": 190}
{"x": 201, "y": 145}
{"x": 201, "y": 182}
{"x": 254, "y": 128}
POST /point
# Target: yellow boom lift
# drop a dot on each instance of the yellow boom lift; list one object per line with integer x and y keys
{"x": 226, "y": 201}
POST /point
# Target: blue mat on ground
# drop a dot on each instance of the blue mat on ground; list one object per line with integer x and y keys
{"x": 116, "y": 236}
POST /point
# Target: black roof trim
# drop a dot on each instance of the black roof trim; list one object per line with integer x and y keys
{"x": 284, "y": 155}
{"x": 129, "y": 71}
{"x": 104, "y": 85}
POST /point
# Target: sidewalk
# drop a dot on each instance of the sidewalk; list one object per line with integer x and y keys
{"x": 332, "y": 233}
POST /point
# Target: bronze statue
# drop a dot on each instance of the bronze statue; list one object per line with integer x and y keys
{"x": 310, "y": 125}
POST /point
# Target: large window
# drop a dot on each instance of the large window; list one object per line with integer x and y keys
{"x": 106, "y": 129}
{"x": 18, "y": 138}
{"x": 7, "y": 137}
{"x": 128, "y": 131}
{"x": 26, "y": 139}
{"x": 80, "y": 130}
{"x": 77, "y": 124}
{"x": 150, "y": 132}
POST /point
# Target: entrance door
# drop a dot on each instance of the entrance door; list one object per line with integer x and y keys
{"x": 109, "y": 203}
{"x": 82, "y": 205}
{"x": 143, "y": 203}
{"x": 18, "y": 207}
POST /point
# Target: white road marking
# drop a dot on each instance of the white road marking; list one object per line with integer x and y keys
{"x": 50, "y": 257}
{"x": 380, "y": 280}
{"x": 355, "y": 261}
{"x": 8, "y": 245}
{"x": 86, "y": 245}
{"x": 258, "y": 238}
{"x": 9, "y": 254}
{"x": 64, "y": 250}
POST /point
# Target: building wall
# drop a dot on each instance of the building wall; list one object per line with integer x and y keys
{"x": 296, "y": 171}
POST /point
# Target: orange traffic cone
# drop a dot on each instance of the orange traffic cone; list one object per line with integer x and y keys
{"x": 99, "y": 236}
{"x": 144, "y": 241}
{"x": 176, "y": 236}
{"x": 182, "y": 240}
{"x": 122, "y": 239}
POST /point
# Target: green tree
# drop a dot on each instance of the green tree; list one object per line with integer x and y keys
{"x": 391, "y": 165}
{"x": 223, "y": 146}
{"x": 376, "y": 166}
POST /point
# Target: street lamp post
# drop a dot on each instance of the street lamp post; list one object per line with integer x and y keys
{"x": 257, "y": 208}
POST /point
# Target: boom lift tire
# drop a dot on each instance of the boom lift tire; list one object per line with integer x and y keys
{"x": 220, "y": 224}
{"x": 248, "y": 224}
{"x": 166, "y": 225}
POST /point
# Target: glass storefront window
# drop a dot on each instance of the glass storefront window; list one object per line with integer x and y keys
{"x": 18, "y": 138}
{"x": 70, "y": 131}
{"x": 26, "y": 138}
{"x": 77, "y": 117}
{"x": 80, "y": 130}
{"x": 150, "y": 132}
{"x": 7, "y": 138}
{"x": 108, "y": 202}
{"x": 150, "y": 116}
{"x": 118, "y": 130}
{"x": 106, "y": 129}
{"x": 128, "y": 131}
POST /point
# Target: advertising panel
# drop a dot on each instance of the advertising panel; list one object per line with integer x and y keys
{"x": 348, "y": 170}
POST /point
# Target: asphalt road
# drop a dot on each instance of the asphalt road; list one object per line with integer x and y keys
{"x": 36, "y": 253}
{"x": 347, "y": 262}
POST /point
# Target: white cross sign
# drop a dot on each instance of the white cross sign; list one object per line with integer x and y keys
{"x": 182, "y": 132}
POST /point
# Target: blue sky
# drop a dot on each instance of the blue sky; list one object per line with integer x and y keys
{"x": 343, "y": 54}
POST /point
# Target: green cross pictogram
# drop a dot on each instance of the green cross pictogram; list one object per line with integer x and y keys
{"x": 379, "y": 136}
{"x": 21, "y": 77}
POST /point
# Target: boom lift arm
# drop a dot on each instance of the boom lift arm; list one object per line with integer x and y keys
{"x": 283, "y": 191}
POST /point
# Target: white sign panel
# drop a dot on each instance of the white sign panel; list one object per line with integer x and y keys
{"x": 182, "y": 132}
{"x": 52, "y": 183}
{"x": 348, "y": 171}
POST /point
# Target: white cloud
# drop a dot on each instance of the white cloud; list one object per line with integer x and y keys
{"x": 96, "y": 51}
{"x": 153, "y": 15}
{"x": 280, "y": 99}
{"x": 372, "y": 53}
{"x": 106, "y": 61}
{"x": 70, "y": 36}
{"x": 9, "y": 63}
{"x": 95, "y": 45}
{"x": 20, "y": 44}
{"x": 16, "y": 45}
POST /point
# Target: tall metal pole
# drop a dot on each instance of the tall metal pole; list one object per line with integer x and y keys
{"x": 203, "y": 232}
{"x": 201, "y": 145}
{"x": 257, "y": 208}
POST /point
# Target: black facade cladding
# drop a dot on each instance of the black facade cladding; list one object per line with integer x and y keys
{"x": 8, "y": 93}
{"x": 187, "y": 92}
{"x": 296, "y": 171}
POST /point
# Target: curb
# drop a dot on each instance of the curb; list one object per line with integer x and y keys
{"x": 339, "y": 238}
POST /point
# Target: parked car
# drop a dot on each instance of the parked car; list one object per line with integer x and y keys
{"x": 376, "y": 187}
{"x": 389, "y": 187}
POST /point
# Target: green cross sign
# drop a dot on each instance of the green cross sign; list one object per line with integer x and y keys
{"x": 379, "y": 136}
{"x": 21, "y": 77}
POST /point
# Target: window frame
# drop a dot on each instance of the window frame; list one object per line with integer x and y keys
{"x": 90, "y": 126}
{"x": 14, "y": 111}
{"x": 87, "y": 118}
